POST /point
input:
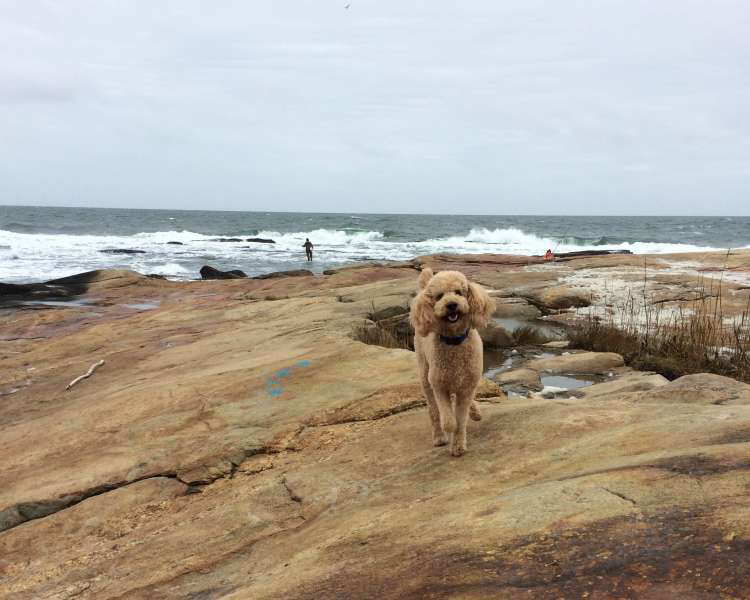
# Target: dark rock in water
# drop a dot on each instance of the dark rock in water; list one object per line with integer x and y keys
{"x": 122, "y": 251}
{"x": 176, "y": 243}
{"x": 15, "y": 292}
{"x": 225, "y": 240}
{"x": 277, "y": 274}
{"x": 155, "y": 276}
{"x": 64, "y": 287}
{"x": 590, "y": 253}
{"x": 208, "y": 272}
{"x": 260, "y": 240}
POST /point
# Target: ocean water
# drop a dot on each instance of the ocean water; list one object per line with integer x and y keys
{"x": 40, "y": 243}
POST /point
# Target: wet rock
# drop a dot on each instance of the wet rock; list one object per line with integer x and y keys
{"x": 260, "y": 240}
{"x": 280, "y": 274}
{"x": 122, "y": 251}
{"x": 495, "y": 336}
{"x": 14, "y": 292}
{"x": 225, "y": 239}
{"x": 584, "y": 362}
{"x": 208, "y": 272}
{"x": 585, "y": 253}
{"x": 156, "y": 276}
{"x": 67, "y": 287}
{"x": 525, "y": 379}
{"x": 176, "y": 243}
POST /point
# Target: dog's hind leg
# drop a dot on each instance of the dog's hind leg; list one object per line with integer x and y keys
{"x": 474, "y": 411}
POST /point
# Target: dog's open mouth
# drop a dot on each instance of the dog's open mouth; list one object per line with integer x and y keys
{"x": 452, "y": 317}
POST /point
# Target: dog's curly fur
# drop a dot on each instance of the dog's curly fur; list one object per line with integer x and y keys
{"x": 449, "y": 305}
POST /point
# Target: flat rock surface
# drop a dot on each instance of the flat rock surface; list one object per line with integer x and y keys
{"x": 238, "y": 443}
{"x": 583, "y": 362}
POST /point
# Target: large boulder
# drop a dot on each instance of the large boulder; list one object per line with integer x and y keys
{"x": 702, "y": 388}
{"x": 495, "y": 336}
{"x": 524, "y": 379}
{"x": 627, "y": 382}
{"x": 208, "y": 272}
{"x": 562, "y": 297}
{"x": 515, "y": 308}
{"x": 583, "y": 362}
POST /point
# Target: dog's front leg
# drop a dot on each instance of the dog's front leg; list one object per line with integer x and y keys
{"x": 458, "y": 437}
{"x": 447, "y": 418}
{"x": 438, "y": 435}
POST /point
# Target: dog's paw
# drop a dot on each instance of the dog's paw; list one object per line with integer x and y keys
{"x": 474, "y": 412}
{"x": 457, "y": 449}
{"x": 439, "y": 440}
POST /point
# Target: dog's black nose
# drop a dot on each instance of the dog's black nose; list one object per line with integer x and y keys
{"x": 452, "y": 306}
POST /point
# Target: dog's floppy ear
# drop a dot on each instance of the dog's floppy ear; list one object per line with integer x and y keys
{"x": 481, "y": 306}
{"x": 424, "y": 277}
{"x": 422, "y": 315}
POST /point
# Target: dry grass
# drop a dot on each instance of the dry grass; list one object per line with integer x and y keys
{"x": 389, "y": 332}
{"x": 377, "y": 335}
{"x": 696, "y": 338}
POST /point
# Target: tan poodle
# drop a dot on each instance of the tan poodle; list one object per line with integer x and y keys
{"x": 446, "y": 314}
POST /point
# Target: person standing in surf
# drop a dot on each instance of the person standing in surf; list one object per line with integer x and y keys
{"x": 308, "y": 248}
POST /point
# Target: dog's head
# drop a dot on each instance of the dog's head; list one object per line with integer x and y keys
{"x": 449, "y": 304}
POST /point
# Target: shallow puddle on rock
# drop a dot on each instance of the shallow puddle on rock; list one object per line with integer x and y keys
{"x": 496, "y": 361}
{"x": 143, "y": 305}
{"x": 564, "y": 383}
{"x": 58, "y": 303}
{"x": 545, "y": 329}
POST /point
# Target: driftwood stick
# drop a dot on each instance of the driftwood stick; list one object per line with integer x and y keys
{"x": 93, "y": 368}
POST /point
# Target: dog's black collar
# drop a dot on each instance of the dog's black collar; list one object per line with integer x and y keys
{"x": 455, "y": 341}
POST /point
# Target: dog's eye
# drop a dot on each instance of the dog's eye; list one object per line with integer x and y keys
{"x": 438, "y": 297}
{"x": 459, "y": 292}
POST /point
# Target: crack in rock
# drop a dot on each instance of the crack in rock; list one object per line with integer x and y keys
{"x": 292, "y": 495}
{"x": 20, "y": 513}
{"x": 621, "y": 496}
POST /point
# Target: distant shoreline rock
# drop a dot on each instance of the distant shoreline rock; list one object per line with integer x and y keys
{"x": 122, "y": 251}
{"x": 278, "y": 274}
{"x": 209, "y": 272}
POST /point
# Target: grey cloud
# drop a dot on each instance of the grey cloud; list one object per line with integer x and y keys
{"x": 517, "y": 106}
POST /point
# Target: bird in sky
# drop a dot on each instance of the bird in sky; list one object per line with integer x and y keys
{"x": 346, "y": 6}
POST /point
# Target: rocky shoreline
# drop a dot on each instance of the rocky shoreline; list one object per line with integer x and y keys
{"x": 239, "y": 442}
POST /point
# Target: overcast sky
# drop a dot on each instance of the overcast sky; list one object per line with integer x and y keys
{"x": 437, "y": 106}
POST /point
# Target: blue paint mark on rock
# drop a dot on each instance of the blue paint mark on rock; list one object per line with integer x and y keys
{"x": 274, "y": 385}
